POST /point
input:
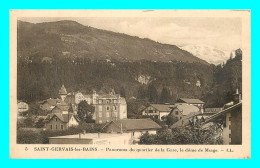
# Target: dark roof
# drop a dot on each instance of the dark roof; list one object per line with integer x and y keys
{"x": 191, "y": 101}
{"x": 162, "y": 107}
{"x": 61, "y": 107}
{"x": 52, "y": 102}
{"x": 229, "y": 109}
{"x": 63, "y": 117}
{"x": 186, "y": 109}
{"x": 70, "y": 99}
{"x": 185, "y": 120}
{"x": 136, "y": 124}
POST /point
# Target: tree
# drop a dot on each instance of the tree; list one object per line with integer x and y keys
{"x": 70, "y": 110}
{"x": 165, "y": 96}
{"x": 34, "y": 109}
{"x": 122, "y": 92}
{"x": 148, "y": 139}
{"x": 141, "y": 94}
{"x": 169, "y": 120}
{"x": 29, "y": 122}
{"x": 40, "y": 123}
{"x": 152, "y": 94}
{"x": 85, "y": 111}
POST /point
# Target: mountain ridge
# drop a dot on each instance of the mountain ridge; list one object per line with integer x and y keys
{"x": 51, "y": 39}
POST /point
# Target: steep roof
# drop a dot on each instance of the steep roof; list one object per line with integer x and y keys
{"x": 61, "y": 107}
{"x": 136, "y": 124}
{"x": 70, "y": 99}
{"x": 63, "y": 117}
{"x": 186, "y": 109}
{"x": 52, "y": 102}
{"x": 191, "y": 101}
{"x": 185, "y": 120}
{"x": 227, "y": 110}
{"x": 162, "y": 107}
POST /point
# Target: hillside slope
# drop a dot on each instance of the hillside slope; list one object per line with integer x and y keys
{"x": 71, "y": 39}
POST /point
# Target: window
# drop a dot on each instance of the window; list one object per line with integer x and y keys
{"x": 150, "y": 111}
{"x": 56, "y": 126}
{"x": 115, "y": 114}
{"x": 99, "y": 101}
{"x": 176, "y": 112}
{"x": 100, "y": 114}
{"x": 115, "y": 108}
{"x": 61, "y": 127}
{"x": 114, "y": 100}
{"x": 107, "y": 101}
{"x": 100, "y": 121}
{"x": 99, "y": 108}
{"x": 51, "y": 126}
{"x": 56, "y": 119}
{"x": 108, "y": 108}
{"x": 107, "y": 114}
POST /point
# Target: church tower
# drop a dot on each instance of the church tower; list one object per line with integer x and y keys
{"x": 63, "y": 92}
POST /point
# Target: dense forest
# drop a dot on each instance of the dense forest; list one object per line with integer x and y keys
{"x": 167, "y": 81}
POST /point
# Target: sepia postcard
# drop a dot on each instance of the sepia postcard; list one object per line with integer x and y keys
{"x": 137, "y": 84}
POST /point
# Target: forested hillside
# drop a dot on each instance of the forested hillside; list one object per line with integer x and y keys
{"x": 61, "y": 39}
{"x": 37, "y": 81}
{"x": 227, "y": 78}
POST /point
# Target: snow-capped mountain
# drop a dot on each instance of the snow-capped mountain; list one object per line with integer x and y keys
{"x": 207, "y": 53}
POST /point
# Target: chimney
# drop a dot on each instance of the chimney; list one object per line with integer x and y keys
{"x": 99, "y": 134}
{"x": 165, "y": 127}
{"x": 237, "y": 97}
{"x": 84, "y": 132}
{"x": 79, "y": 135}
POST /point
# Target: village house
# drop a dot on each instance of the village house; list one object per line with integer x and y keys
{"x": 157, "y": 111}
{"x": 79, "y": 97}
{"x": 134, "y": 127}
{"x": 195, "y": 102}
{"x": 49, "y": 104}
{"x": 110, "y": 107}
{"x": 63, "y": 113}
{"x": 22, "y": 107}
{"x": 181, "y": 110}
{"x": 186, "y": 120}
{"x": 60, "y": 121}
{"x": 232, "y": 124}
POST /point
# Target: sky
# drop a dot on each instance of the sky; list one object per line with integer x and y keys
{"x": 223, "y": 33}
